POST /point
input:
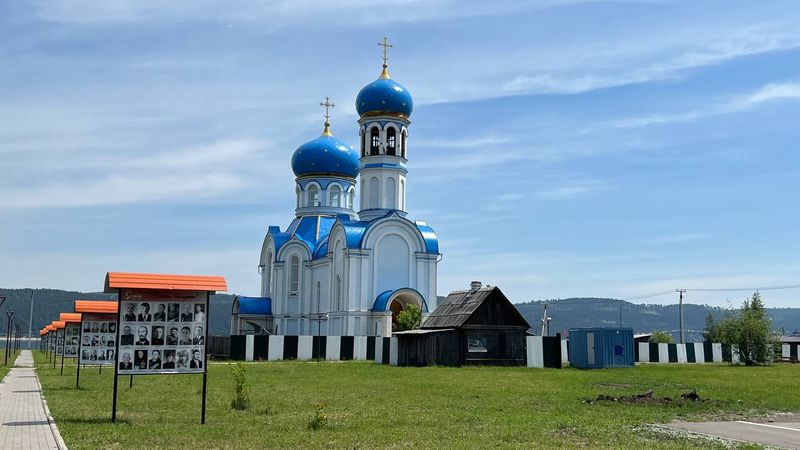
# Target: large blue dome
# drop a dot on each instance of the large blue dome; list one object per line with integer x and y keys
{"x": 325, "y": 155}
{"x": 384, "y": 95}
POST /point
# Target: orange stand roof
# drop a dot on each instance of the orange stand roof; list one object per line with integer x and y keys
{"x": 70, "y": 317}
{"x": 57, "y": 325}
{"x": 92, "y": 306}
{"x": 127, "y": 280}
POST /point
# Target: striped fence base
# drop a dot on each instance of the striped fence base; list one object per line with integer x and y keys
{"x": 303, "y": 348}
{"x": 691, "y": 353}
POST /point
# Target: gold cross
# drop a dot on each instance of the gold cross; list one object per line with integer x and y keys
{"x": 386, "y": 46}
{"x": 327, "y": 104}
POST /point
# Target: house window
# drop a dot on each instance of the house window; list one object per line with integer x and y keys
{"x": 391, "y": 141}
{"x": 313, "y": 196}
{"x": 294, "y": 275}
{"x": 375, "y": 142}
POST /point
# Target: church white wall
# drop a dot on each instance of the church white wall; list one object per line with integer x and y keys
{"x": 392, "y": 263}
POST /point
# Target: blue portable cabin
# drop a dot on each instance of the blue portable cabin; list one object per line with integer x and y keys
{"x": 602, "y": 347}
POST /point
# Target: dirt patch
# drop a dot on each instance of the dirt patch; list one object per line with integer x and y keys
{"x": 645, "y": 398}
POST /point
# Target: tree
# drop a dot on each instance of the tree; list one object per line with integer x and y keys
{"x": 661, "y": 337}
{"x": 409, "y": 318}
{"x": 748, "y": 329}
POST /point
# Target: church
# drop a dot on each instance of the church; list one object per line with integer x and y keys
{"x": 357, "y": 265}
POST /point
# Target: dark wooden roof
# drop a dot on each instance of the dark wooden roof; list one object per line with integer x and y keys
{"x": 484, "y": 306}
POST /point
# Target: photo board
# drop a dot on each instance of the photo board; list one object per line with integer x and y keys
{"x": 60, "y": 342}
{"x": 72, "y": 339}
{"x": 98, "y": 337}
{"x": 162, "y": 332}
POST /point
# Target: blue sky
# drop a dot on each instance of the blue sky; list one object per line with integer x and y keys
{"x": 560, "y": 148}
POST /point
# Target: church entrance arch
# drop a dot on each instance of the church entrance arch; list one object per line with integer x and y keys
{"x": 400, "y": 300}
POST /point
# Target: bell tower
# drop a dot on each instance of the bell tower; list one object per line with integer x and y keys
{"x": 384, "y": 107}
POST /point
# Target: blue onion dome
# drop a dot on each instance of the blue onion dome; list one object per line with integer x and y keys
{"x": 384, "y": 96}
{"x": 325, "y": 155}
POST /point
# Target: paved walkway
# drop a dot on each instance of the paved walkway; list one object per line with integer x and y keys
{"x": 25, "y": 422}
{"x": 773, "y": 434}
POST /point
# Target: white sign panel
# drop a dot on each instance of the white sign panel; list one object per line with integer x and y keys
{"x": 72, "y": 340}
{"x": 98, "y": 339}
{"x": 162, "y": 332}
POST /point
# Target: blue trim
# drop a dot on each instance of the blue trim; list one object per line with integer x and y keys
{"x": 324, "y": 182}
{"x": 431, "y": 241}
{"x": 382, "y": 300}
{"x": 255, "y": 305}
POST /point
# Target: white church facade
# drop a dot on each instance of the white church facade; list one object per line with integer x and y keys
{"x": 356, "y": 265}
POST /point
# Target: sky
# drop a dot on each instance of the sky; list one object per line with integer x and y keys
{"x": 560, "y": 148}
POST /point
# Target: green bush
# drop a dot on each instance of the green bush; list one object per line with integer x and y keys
{"x": 408, "y": 319}
{"x": 241, "y": 392}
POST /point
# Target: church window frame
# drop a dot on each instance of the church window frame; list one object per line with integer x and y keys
{"x": 374, "y": 193}
{"x": 294, "y": 275}
{"x": 403, "y": 137}
{"x": 391, "y": 186}
{"x": 375, "y": 141}
{"x": 319, "y": 297}
{"x": 313, "y": 196}
{"x": 351, "y": 198}
{"x": 338, "y": 293}
{"x": 363, "y": 140}
{"x": 391, "y": 141}
{"x": 335, "y": 196}
{"x": 268, "y": 273}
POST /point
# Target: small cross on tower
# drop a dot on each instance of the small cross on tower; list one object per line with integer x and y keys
{"x": 386, "y": 46}
{"x": 327, "y": 104}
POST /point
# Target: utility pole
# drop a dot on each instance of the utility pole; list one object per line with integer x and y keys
{"x": 680, "y": 311}
{"x": 30, "y": 322}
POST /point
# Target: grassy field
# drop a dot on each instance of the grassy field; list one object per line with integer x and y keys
{"x": 380, "y": 406}
{"x": 11, "y": 357}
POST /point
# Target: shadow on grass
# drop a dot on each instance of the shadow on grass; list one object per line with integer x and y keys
{"x": 93, "y": 420}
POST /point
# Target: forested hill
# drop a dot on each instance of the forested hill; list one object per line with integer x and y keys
{"x": 48, "y": 303}
{"x": 566, "y": 313}
{"x": 590, "y": 312}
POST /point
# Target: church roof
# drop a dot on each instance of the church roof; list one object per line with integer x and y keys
{"x": 384, "y": 96}
{"x": 325, "y": 155}
{"x": 253, "y": 305}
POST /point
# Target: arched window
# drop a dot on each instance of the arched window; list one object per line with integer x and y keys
{"x": 338, "y": 293}
{"x": 363, "y": 143}
{"x": 351, "y": 198}
{"x": 403, "y": 136}
{"x": 313, "y": 196}
{"x": 374, "y": 192}
{"x": 299, "y": 193}
{"x": 391, "y": 141}
{"x": 375, "y": 141}
{"x": 294, "y": 275}
{"x": 402, "y": 198}
{"x": 268, "y": 273}
{"x": 390, "y": 193}
{"x": 319, "y": 297}
{"x": 336, "y": 196}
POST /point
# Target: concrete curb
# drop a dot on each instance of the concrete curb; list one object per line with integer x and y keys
{"x": 53, "y": 427}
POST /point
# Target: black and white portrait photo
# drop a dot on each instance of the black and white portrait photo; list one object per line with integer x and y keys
{"x": 198, "y": 339}
{"x": 172, "y": 312}
{"x": 186, "y": 312}
{"x": 196, "y": 362}
{"x": 112, "y": 327}
{"x": 157, "y": 338}
{"x": 161, "y": 313}
{"x": 172, "y": 337}
{"x": 186, "y": 336}
{"x": 87, "y": 327}
{"x": 142, "y": 335}
{"x": 199, "y": 312}
{"x": 183, "y": 359}
{"x": 169, "y": 359}
{"x": 127, "y": 336}
{"x": 144, "y": 312}
{"x": 126, "y": 363}
{"x": 140, "y": 359}
{"x": 155, "y": 360}
{"x": 130, "y": 312}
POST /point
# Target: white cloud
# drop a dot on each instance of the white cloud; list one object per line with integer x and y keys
{"x": 770, "y": 92}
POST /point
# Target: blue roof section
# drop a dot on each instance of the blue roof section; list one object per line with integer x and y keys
{"x": 354, "y": 232}
{"x": 382, "y": 301}
{"x": 255, "y": 305}
{"x": 311, "y": 230}
{"x": 431, "y": 241}
{"x": 325, "y": 155}
{"x": 384, "y": 95}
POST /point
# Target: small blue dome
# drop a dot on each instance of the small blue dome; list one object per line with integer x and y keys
{"x": 325, "y": 155}
{"x": 384, "y": 95}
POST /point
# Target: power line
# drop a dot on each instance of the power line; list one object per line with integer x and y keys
{"x": 655, "y": 294}
{"x": 768, "y": 288}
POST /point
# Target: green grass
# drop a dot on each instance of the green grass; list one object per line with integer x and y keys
{"x": 379, "y": 406}
{"x": 12, "y": 356}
